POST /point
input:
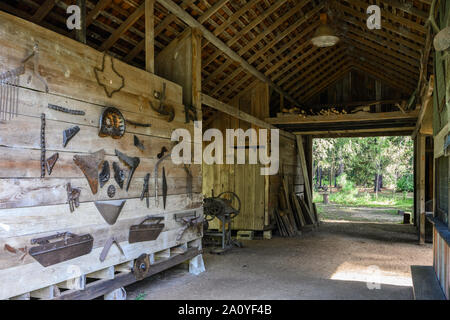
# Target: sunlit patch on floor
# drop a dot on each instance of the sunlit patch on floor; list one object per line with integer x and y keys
{"x": 372, "y": 275}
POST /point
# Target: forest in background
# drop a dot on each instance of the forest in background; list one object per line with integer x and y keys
{"x": 364, "y": 171}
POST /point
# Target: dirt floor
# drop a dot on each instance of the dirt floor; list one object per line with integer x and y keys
{"x": 342, "y": 260}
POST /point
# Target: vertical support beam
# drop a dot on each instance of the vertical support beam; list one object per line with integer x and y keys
{"x": 197, "y": 70}
{"x": 304, "y": 167}
{"x": 149, "y": 36}
{"x": 281, "y": 102}
{"x": 378, "y": 95}
{"x": 421, "y": 187}
{"x": 80, "y": 34}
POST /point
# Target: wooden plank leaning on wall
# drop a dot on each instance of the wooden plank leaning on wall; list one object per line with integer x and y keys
{"x": 31, "y": 207}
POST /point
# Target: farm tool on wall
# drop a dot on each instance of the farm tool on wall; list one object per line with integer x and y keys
{"x": 42, "y": 138}
{"x": 9, "y": 86}
{"x": 110, "y": 210}
{"x": 164, "y": 182}
{"x": 89, "y": 165}
{"x": 104, "y": 174}
{"x": 222, "y": 208}
{"x": 71, "y": 246}
{"x": 66, "y": 110}
{"x": 112, "y": 123}
{"x": 146, "y": 231}
{"x": 119, "y": 174}
{"x": 108, "y": 245}
{"x": 138, "y": 143}
{"x": 50, "y": 162}
{"x": 163, "y": 109}
{"x": 145, "y": 190}
{"x": 73, "y": 197}
{"x": 189, "y": 220}
{"x": 132, "y": 162}
{"x": 69, "y": 133}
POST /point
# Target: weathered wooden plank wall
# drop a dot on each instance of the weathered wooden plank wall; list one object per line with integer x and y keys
{"x": 32, "y": 207}
{"x": 259, "y": 193}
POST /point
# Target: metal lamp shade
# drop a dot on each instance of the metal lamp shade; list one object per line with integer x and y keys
{"x": 324, "y": 37}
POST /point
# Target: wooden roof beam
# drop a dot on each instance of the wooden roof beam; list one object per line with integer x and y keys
{"x": 386, "y": 24}
{"x": 327, "y": 80}
{"x": 43, "y": 10}
{"x": 334, "y": 118}
{"x": 190, "y": 21}
{"x": 378, "y": 74}
{"x": 301, "y": 64}
{"x": 100, "y": 6}
{"x": 267, "y": 31}
{"x": 308, "y": 75}
{"x": 238, "y": 114}
{"x": 135, "y": 16}
{"x": 255, "y": 56}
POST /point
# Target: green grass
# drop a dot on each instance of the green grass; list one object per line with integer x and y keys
{"x": 365, "y": 199}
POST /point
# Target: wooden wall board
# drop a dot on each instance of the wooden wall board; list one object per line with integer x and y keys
{"x": 32, "y": 207}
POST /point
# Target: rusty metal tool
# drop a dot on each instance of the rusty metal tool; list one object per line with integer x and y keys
{"x": 146, "y": 231}
{"x": 110, "y": 210}
{"x": 71, "y": 246}
{"x": 111, "y": 191}
{"x": 9, "y": 86}
{"x": 73, "y": 197}
{"x": 108, "y": 244}
{"x": 104, "y": 174}
{"x": 190, "y": 113}
{"x": 161, "y": 154}
{"x": 145, "y": 189}
{"x": 188, "y": 181}
{"x": 66, "y": 110}
{"x": 141, "y": 266}
{"x": 22, "y": 251}
{"x": 112, "y": 123}
{"x": 132, "y": 162}
{"x": 119, "y": 174}
{"x": 89, "y": 164}
{"x": 164, "y": 187}
{"x": 50, "y": 162}
{"x": 163, "y": 109}
{"x": 138, "y": 143}
{"x": 69, "y": 133}
{"x": 155, "y": 174}
{"x": 138, "y": 124}
{"x": 190, "y": 221}
{"x": 42, "y": 145}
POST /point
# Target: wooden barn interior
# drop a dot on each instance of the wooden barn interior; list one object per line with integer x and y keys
{"x": 88, "y": 112}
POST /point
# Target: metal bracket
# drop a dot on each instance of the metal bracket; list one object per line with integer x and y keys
{"x": 108, "y": 244}
{"x": 163, "y": 109}
{"x": 190, "y": 113}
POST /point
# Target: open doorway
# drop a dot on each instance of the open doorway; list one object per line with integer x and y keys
{"x": 364, "y": 179}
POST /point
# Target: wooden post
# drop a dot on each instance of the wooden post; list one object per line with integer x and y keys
{"x": 80, "y": 34}
{"x": 149, "y": 36}
{"x": 304, "y": 167}
{"x": 421, "y": 187}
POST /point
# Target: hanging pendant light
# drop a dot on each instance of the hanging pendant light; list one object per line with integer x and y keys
{"x": 324, "y": 35}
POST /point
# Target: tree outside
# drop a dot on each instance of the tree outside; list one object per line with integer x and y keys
{"x": 371, "y": 172}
